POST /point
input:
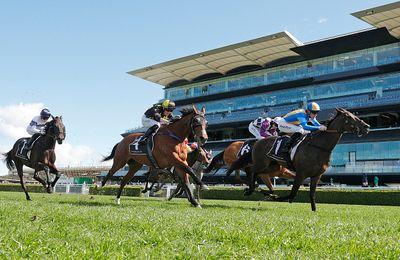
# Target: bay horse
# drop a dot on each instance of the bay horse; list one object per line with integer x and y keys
{"x": 229, "y": 157}
{"x": 42, "y": 156}
{"x": 169, "y": 151}
{"x": 226, "y": 158}
{"x": 313, "y": 154}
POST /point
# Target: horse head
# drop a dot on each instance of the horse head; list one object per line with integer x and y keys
{"x": 197, "y": 123}
{"x": 351, "y": 123}
{"x": 56, "y": 129}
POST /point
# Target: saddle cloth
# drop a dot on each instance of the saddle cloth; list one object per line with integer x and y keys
{"x": 246, "y": 147}
{"x": 276, "y": 153}
{"x": 23, "y": 152}
{"x": 146, "y": 149}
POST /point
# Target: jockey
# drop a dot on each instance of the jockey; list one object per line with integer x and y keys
{"x": 263, "y": 128}
{"x": 36, "y": 126}
{"x": 156, "y": 116}
{"x": 296, "y": 122}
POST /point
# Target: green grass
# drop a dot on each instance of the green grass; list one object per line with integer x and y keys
{"x": 72, "y": 226}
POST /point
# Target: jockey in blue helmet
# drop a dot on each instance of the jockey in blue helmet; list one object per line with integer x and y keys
{"x": 297, "y": 122}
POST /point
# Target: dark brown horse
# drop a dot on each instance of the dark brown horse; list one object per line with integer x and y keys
{"x": 169, "y": 150}
{"x": 312, "y": 156}
{"x": 229, "y": 158}
{"x": 42, "y": 156}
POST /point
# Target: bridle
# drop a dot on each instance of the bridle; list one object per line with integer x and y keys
{"x": 195, "y": 122}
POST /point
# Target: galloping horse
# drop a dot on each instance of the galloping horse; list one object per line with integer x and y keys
{"x": 42, "y": 155}
{"x": 312, "y": 156}
{"x": 169, "y": 151}
{"x": 229, "y": 158}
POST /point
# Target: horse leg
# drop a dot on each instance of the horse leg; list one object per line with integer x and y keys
{"x": 55, "y": 171}
{"x": 313, "y": 187}
{"x": 48, "y": 183}
{"x": 295, "y": 188}
{"x": 133, "y": 168}
{"x": 252, "y": 185}
{"x": 36, "y": 177}
{"x": 187, "y": 169}
{"x": 184, "y": 178}
{"x": 114, "y": 168}
{"x": 176, "y": 191}
{"x": 19, "y": 167}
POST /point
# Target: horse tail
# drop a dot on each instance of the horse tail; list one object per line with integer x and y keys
{"x": 216, "y": 163}
{"x": 241, "y": 162}
{"x": 111, "y": 155}
{"x": 9, "y": 161}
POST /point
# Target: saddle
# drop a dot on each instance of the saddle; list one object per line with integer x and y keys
{"x": 23, "y": 151}
{"x": 282, "y": 154}
{"x": 146, "y": 149}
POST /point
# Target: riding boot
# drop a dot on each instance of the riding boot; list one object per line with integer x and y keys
{"x": 285, "y": 151}
{"x": 148, "y": 133}
{"x": 31, "y": 141}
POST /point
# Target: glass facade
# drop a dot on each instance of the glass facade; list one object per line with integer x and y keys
{"x": 358, "y": 158}
{"x": 381, "y": 86}
{"x": 339, "y": 63}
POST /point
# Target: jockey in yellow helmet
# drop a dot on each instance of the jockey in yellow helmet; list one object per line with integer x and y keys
{"x": 156, "y": 116}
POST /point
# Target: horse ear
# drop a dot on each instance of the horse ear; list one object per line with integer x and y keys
{"x": 61, "y": 118}
{"x": 194, "y": 109}
{"x": 52, "y": 117}
{"x": 338, "y": 110}
{"x": 203, "y": 110}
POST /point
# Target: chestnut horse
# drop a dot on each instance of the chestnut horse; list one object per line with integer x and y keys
{"x": 313, "y": 154}
{"x": 169, "y": 151}
{"x": 42, "y": 155}
{"x": 229, "y": 158}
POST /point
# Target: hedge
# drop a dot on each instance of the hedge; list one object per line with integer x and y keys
{"x": 333, "y": 196}
{"x": 17, "y": 187}
{"x": 133, "y": 191}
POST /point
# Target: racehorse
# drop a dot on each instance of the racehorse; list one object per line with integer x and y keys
{"x": 169, "y": 151}
{"x": 313, "y": 154}
{"x": 229, "y": 157}
{"x": 42, "y": 156}
{"x": 196, "y": 159}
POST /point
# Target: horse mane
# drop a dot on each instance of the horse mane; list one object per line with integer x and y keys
{"x": 186, "y": 111}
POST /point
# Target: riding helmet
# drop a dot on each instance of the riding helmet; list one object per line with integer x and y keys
{"x": 168, "y": 105}
{"x": 313, "y": 107}
{"x": 45, "y": 113}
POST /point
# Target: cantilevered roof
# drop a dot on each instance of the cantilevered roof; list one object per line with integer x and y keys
{"x": 257, "y": 52}
{"x": 383, "y": 16}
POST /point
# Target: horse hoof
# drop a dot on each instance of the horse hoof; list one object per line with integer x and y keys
{"x": 49, "y": 190}
{"x": 144, "y": 191}
{"x": 199, "y": 206}
{"x": 118, "y": 201}
{"x": 28, "y": 199}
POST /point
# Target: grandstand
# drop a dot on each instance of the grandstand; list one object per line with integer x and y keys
{"x": 272, "y": 75}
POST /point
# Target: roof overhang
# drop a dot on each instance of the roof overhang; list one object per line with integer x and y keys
{"x": 383, "y": 16}
{"x": 346, "y": 43}
{"x": 257, "y": 52}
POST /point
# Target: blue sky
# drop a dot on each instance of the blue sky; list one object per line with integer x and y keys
{"x": 72, "y": 56}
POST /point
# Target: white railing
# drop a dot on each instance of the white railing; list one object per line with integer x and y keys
{"x": 72, "y": 188}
